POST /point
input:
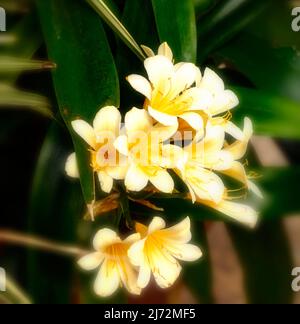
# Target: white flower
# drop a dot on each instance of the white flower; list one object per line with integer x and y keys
{"x": 160, "y": 249}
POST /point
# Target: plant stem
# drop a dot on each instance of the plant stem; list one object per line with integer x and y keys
{"x": 20, "y": 239}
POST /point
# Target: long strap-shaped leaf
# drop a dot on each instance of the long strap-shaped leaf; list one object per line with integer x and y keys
{"x": 86, "y": 78}
{"x": 108, "y": 16}
{"x": 176, "y": 23}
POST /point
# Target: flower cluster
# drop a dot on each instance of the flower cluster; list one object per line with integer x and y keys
{"x": 184, "y": 127}
{"x": 130, "y": 262}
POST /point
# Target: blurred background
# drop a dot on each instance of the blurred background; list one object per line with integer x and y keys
{"x": 255, "y": 49}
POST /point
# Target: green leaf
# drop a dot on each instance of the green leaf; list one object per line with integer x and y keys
{"x": 144, "y": 31}
{"x": 109, "y": 17}
{"x": 12, "y": 98}
{"x": 202, "y": 5}
{"x": 280, "y": 187}
{"x": 55, "y": 207}
{"x": 86, "y": 78}
{"x": 274, "y": 70}
{"x": 226, "y": 20}
{"x": 266, "y": 262}
{"x": 271, "y": 115}
{"x": 28, "y": 39}
{"x": 10, "y": 64}
{"x": 176, "y": 24}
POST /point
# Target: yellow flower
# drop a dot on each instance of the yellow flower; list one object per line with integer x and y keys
{"x": 159, "y": 251}
{"x": 203, "y": 159}
{"x": 105, "y": 160}
{"x": 180, "y": 90}
{"x": 115, "y": 267}
{"x": 171, "y": 91}
{"x": 143, "y": 146}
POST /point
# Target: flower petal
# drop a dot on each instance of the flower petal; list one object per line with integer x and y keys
{"x": 194, "y": 120}
{"x": 185, "y": 252}
{"x": 165, "y": 50}
{"x": 136, "y": 179}
{"x": 85, "y": 131}
{"x": 163, "y": 181}
{"x": 91, "y": 261}
{"x": 164, "y": 119}
{"x": 72, "y": 166}
{"x": 224, "y": 101}
{"x": 136, "y": 253}
{"x": 121, "y": 144}
{"x": 212, "y": 82}
{"x": 105, "y": 238}
{"x": 144, "y": 276}
{"x": 159, "y": 68}
{"x": 157, "y": 224}
{"x": 140, "y": 84}
{"x": 106, "y": 181}
{"x": 239, "y": 212}
{"x": 205, "y": 184}
{"x": 180, "y": 232}
{"x": 138, "y": 120}
{"x": 108, "y": 119}
{"x": 108, "y": 279}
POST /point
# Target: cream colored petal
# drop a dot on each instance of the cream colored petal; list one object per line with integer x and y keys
{"x": 104, "y": 238}
{"x": 117, "y": 172}
{"x": 165, "y": 272}
{"x": 202, "y": 99}
{"x": 159, "y": 69}
{"x": 234, "y": 131}
{"x": 185, "y": 75}
{"x": 108, "y": 279}
{"x": 141, "y": 85}
{"x": 219, "y": 161}
{"x": 239, "y": 148}
{"x": 212, "y": 82}
{"x": 163, "y": 181}
{"x": 85, "y": 131}
{"x": 239, "y": 212}
{"x": 106, "y": 181}
{"x": 180, "y": 233}
{"x": 206, "y": 184}
{"x": 148, "y": 51}
{"x": 108, "y": 119}
{"x": 144, "y": 276}
{"x": 136, "y": 253}
{"x": 172, "y": 156}
{"x": 165, "y": 50}
{"x": 136, "y": 179}
{"x": 163, "y": 133}
{"x": 224, "y": 101}
{"x": 237, "y": 172}
{"x": 131, "y": 239}
{"x": 121, "y": 145}
{"x": 128, "y": 276}
{"x": 198, "y": 77}
{"x": 138, "y": 120}
{"x": 164, "y": 119}
{"x": 157, "y": 224}
{"x": 72, "y": 166}
{"x": 255, "y": 189}
{"x": 185, "y": 252}
{"x": 194, "y": 120}
{"x": 91, "y": 261}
